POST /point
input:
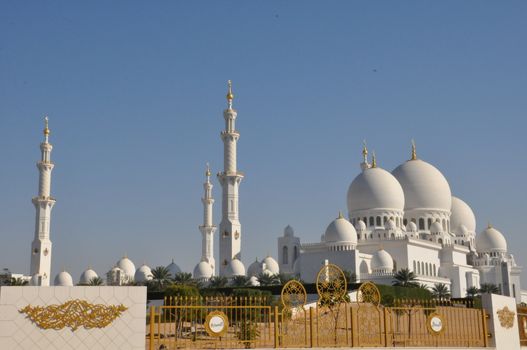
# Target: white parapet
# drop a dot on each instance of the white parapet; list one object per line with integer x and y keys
{"x": 503, "y": 321}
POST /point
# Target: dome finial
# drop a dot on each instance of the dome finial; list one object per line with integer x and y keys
{"x": 414, "y": 153}
{"x": 489, "y": 225}
{"x": 46, "y": 128}
{"x": 230, "y": 95}
{"x": 373, "y": 160}
{"x": 340, "y": 215}
{"x": 207, "y": 171}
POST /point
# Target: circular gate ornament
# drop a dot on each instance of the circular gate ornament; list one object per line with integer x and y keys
{"x": 216, "y": 324}
{"x": 331, "y": 285}
{"x": 293, "y": 295}
{"x": 435, "y": 324}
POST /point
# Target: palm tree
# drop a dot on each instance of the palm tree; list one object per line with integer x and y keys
{"x": 266, "y": 279}
{"x": 351, "y": 277}
{"x": 405, "y": 278}
{"x": 489, "y": 288}
{"x": 18, "y": 282}
{"x": 472, "y": 292}
{"x": 440, "y": 291}
{"x": 423, "y": 286}
{"x": 96, "y": 281}
{"x": 160, "y": 277}
{"x": 239, "y": 281}
{"x": 218, "y": 282}
{"x": 183, "y": 278}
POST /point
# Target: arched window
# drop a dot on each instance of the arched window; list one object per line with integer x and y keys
{"x": 426, "y": 269}
{"x": 384, "y": 219}
{"x": 371, "y": 221}
{"x": 414, "y": 266}
{"x": 285, "y": 255}
{"x": 422, "y": 268}
{"x": 405, "y": 222}
{"x": 295, "y": 253}
{"x": 444, "y": 225}
{"x": 435, "y": 271}
{"x": 353, "y": 221}
{"x": 440, "y": 241}
{"x": 421, "y": 224}
{"x": 429, "y": 223}
{"x": 365, "y": 220}
{"x": 378, "y": 221}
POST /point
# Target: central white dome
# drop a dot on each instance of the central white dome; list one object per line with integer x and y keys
{"x": 375, "y": 188}
{"x": 127, "y": 266}
{"x": 143, "y": 274}
{"x": 271, "y": 265}
{"x": 203, "y": 270}
{"x": 424, "y": 186}
{"x": 64, "y": 279}
{"x": 340, "y": 231}
{"x": 87, "y": 276}
{"x": 235, "y": 268}
{"x": 462, "y": 215}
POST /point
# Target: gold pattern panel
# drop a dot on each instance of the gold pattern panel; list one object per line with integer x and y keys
{"x": 506, "y": 317}
{"x": 369, "y": 293}
{"x": 331, "y": 285}
{"x": 73, "y": 314}
{"x": 293, "y": 295}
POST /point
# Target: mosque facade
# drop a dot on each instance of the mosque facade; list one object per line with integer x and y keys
{"x": 407, "y": 218}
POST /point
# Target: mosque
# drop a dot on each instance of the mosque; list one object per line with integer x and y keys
{"x": 407, "y": 218}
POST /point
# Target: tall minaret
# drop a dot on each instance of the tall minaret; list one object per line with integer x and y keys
{"x": 41, "y": 246}
{"x": 230, "y": 178}
{"x": 208, "y": 229}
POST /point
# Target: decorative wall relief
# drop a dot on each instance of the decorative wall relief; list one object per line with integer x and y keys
{"x": 73, "y": 314}
{"x": 506, "y": 317}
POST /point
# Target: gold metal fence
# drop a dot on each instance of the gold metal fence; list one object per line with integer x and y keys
{"x": 522, "y": 325}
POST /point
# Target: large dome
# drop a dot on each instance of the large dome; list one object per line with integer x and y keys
{"x": 64, "y": 279}
{"x": 173, "y": 269}
{"x": 375, "y": 188}
{"x": 424, "y": 186}
{"x": 271, "y": 265}
{"x": 143, "y": 274}
{"x": 202, "y": 270}
{"x": 127, "y": 266}
{"x": 491, "y": 240}
{"x": 87, "y": 276}
{"x": 462, "y": 215}
{"x": 340, "y": 231}
{"x": 255, "y": 268}
{"x": 235, "y": 268}
{"x": 382, "y": 261}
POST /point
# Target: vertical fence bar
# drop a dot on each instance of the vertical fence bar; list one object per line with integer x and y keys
{"x": 385, "y": 327}
{"x": 311, "y": 328}
{"x": 152, "y": 321}
{"x": 484, "y": 323}
{"x": 276, "y": 341}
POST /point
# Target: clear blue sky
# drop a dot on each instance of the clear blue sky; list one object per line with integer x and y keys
{"x": 135, "y": 93}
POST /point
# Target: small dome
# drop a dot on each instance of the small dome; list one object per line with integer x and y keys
{"x": 235, "y": 268}
{"x": 340, "y": 230}
{"x": 390, "y": 225}
{"x": 424, "y": 186}
{"x": 64, "y": 279}
{"x": 360, "y": 226}
{"x": 255, "y": 268}
{"x": 127, "y": 266}
{"x": 253, "y": 281}
{"x": 143, "y": 274}
{"x": 411, "y": 227}
{"x": 436, "y": 227}
{"x": 375, "y": 188}
{"x": 462, "y": 214}
{"x": 491, "y": 240}
{"x": 87, "y": 276}
{"x": 173, "y": 268}
{"x": 203, "y": 270}
{"x": 381, "y": 261}
{"x": 271, "y": 265}
{"x": 288, "y": 231}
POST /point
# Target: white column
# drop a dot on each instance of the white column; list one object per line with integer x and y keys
{"x": 230, "y": 178}
{"x": 41, "y": 245}
{"x": 208, "y": 229}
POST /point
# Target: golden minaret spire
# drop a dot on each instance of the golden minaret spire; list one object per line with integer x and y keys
{"x": 364, "y": 151}
{"x": 46, "y": 128}
{"x": 373, "y": 160}
{"x": 230, "y": 95}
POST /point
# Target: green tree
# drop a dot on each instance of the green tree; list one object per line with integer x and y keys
{"x": 266, "y": 279}
{"x": 96, "y": 281}
{"x": 160, "y": 278}
{"x": 239, "y": 281}
{"x": 489, "y": 288}
{"x": 183, "y": 278}
{"x": 405, "y": 278}
{"x": 351, "y": 277}
{"x": 18, "y": 282}
{"x": 218, "y": 282}
{"x": 440, "y": 291}
{"x": 472, "y": 292}
{"x": 423, "y": 286}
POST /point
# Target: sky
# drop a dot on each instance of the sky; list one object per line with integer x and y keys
{"x": 135, "y": 91}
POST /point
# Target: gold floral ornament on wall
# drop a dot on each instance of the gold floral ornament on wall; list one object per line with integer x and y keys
{"x": 73, "y": 314}
{"x": 506, "y": 317}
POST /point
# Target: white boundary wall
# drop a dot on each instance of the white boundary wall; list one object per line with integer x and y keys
{"x": 125, "y": 332}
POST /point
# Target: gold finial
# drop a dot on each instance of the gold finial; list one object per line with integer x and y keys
{"x": 340, "y": 215}
{"x": 230, "y": 95}
{"x": 207, "y": 172}
{"x": 46, "y": 126}
{"x": 373, "y": 160}
{"x": 414, "y": 153}
{"x": 489, "y": 225}
{"x": 364, "y": 148}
